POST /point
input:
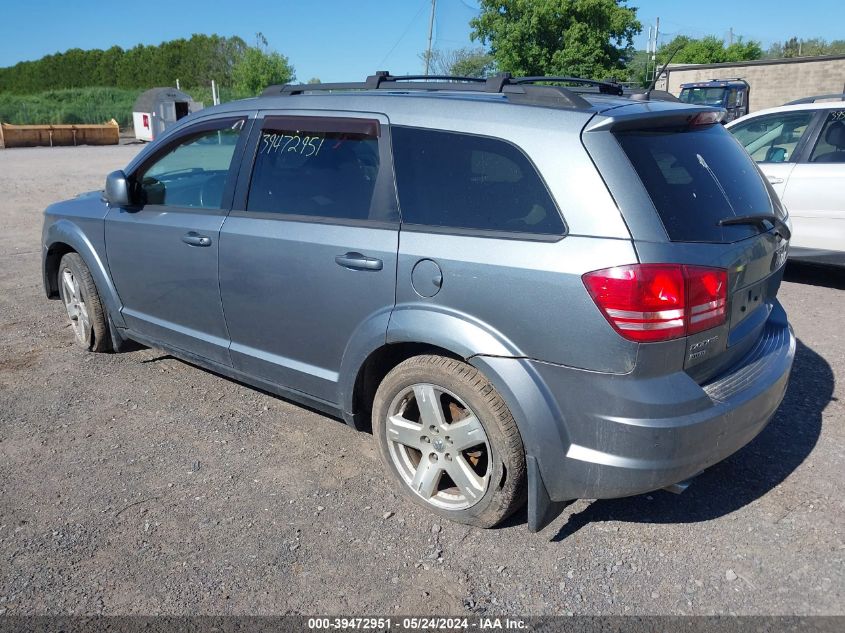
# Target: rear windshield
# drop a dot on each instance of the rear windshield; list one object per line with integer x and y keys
{"x": 696, "y": 177}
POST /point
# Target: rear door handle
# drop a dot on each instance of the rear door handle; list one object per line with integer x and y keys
{"x": 357, "y": 261}
{"x": 774, "y": 180}
{"x": 195, "y": 239}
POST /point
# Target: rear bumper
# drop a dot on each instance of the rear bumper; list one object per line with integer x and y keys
{"x": 626, "y": 435}
{"x": 817, "y": 256}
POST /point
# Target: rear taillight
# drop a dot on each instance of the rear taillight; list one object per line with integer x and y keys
{"x": 659, "y": 302}
{"x": 707, "y": 297}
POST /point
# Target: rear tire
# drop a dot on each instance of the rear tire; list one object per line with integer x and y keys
{"x": 82, "y": 303}
{"x": 450, "y": 441}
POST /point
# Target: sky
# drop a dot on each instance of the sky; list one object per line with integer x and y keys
{"x": 337, "y": 40}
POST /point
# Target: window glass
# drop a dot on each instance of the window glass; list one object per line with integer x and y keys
{"x": 316, "y": 167}
{"x": 703, "y": 96}
{"x": 772, "y": 138}
{"x": 696, "y": 177}
{"x": 193, "y": 173}
{"x": 830, "y": 148}
{"x": 446, "y": 179}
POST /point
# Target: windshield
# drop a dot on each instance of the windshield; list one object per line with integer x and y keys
{"x": 697, "y": 177}
{"x": 703, "y": 96}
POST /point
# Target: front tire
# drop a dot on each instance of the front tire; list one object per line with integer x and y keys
{"x": 450, "y": 441}
{"x": 82, "y": 304}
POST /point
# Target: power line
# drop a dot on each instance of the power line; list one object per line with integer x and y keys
{"x": 404, "y": 33}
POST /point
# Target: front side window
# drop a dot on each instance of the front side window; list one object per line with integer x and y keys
{"x": 772, "y": 138}
{"x": 317, "y": 167}
{"x": 193, "y": 172}
{"x": 447, "y": 179}
{"x": 830, "y": 148}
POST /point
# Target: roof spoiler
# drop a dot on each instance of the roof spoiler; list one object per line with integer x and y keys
{"x": 618, "y": 120}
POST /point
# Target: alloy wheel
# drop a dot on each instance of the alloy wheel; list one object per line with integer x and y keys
{"x": 77, "y": 311}
{"x": 439, "y": 446}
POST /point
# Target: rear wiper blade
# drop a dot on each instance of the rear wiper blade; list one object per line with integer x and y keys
{"x": 759, "y": 220}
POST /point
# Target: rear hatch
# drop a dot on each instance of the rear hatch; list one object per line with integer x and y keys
{"x": 691, "y": 195}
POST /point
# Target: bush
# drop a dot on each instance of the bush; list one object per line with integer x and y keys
{"x": 87, "y": 105}
{"x": 73, "y": 105}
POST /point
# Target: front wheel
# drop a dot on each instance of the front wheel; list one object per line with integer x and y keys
{"x": 82, "y": 303}
{"x": 450, "y": 441}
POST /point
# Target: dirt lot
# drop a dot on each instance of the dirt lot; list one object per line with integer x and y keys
{"x": 138, "y": 484}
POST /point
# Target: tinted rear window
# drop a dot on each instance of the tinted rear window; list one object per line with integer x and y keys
{"x": 695, "y": 178}
{"x": 447, "y": 179}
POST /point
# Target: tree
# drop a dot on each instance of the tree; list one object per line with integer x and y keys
{"x": 793, "y": 47}
{"x": 260, "y": 67}
{"x": 195, "y": 62}
{"x": 463, "y": 62}
{"x": 708, "y": 50}
{"x": 314, "y": 80}
{"x": 638, "y": 68}
{"x": 586, "y": 38}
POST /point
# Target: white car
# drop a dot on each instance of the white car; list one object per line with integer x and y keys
{"x": 800, "y": 147}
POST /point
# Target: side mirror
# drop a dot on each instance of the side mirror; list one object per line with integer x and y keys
{"x": 117, "y": 189}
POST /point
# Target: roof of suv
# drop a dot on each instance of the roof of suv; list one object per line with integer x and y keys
{"x": 790, "y": 107}
{"x": 590, "y": 96}
{"x": 488, "y": 106}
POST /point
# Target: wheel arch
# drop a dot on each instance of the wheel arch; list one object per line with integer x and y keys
{"x": 64, "y": 237}
{"x": 391, "y": 336}
{"x": 414, "y": 332}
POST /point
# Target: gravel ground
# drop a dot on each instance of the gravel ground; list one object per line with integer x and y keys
{"x": 138, "y": 484}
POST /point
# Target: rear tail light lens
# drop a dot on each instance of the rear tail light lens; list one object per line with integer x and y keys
{"x": 659, "y": 302}
{"x": 707, "y": 297}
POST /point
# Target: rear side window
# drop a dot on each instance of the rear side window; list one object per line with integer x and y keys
{"x": 316, "y": 167}
{"x": 696, "y": 177}
{"x": 452, "y": 180}
{"x": 830, "y": 148}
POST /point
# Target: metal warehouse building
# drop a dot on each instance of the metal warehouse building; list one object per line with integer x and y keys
{"x": 773, "y": 81}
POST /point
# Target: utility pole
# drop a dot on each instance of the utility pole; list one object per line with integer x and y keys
{"x": 730, "y": 36}
{"x": 656, "y": 35}
{"x": 430, "y": 31}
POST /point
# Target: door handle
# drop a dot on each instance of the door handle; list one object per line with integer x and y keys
{"x": 195, "y": 239}
{"x": 357, "y": 261}
{"x": 774, "y": 180}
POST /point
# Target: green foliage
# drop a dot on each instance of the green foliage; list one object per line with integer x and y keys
{"x": 708, "y": 50}
{"x": 195, "y": 62}
{"x": 87, "y": 105}
{"x": 94, "y": 86}
{"x": 793, "y": 47}
{"x": 585, "y": 38}
{"x": 260, "y": 67}
{"x": 72, "y": 105}
{"x": 636, "y": 72}
{"x": 314, "y": 80}
{"x": 463, "y": 62}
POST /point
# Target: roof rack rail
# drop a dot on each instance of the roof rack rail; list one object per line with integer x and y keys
{"x": 605, "y": 87}
{"x": 518, "y": 89}
{"x": 815, "y": 98}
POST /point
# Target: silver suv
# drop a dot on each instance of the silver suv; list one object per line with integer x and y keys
{"x": 525, "y": 291}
